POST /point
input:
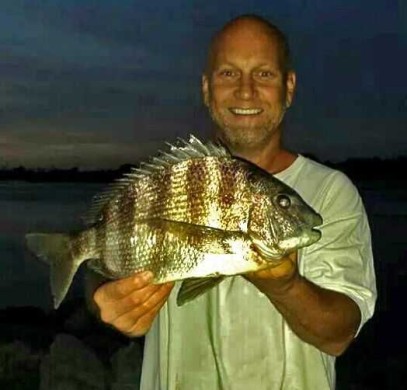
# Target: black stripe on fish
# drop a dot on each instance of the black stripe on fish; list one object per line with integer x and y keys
{"x": 196, "y": 191}
{"x": 183, "y": 151}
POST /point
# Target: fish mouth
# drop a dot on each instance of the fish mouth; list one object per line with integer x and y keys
{"x": 305, "y": 235}
{"x": 311, "y": 225}
{"x": 318, "y": 221}
{"x": 245, "y": 111}
{"x": 311, "y": 228}
{"x": 315, "y": 234}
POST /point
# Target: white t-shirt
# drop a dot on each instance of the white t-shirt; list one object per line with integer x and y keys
{"x": 232, "y": 338}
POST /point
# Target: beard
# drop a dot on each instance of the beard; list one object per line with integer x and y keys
{"x": 240, "y": 139}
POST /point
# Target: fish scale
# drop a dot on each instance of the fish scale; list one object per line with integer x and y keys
{"x": 194, "y": 213}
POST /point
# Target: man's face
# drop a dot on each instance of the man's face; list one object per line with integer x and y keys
{"x": 245, "y": 88}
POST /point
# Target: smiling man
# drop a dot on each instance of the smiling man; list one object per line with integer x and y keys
{"x": 279, "y": 328}
{"x": 247, "y": 86}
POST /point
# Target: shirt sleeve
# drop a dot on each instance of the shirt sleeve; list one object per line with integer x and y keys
{"x": 342, "y": 259}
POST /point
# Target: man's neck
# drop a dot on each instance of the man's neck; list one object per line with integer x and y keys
{"x": 273, "y": 159}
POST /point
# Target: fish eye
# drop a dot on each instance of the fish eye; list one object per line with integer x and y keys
{"x": 283, "y": 201}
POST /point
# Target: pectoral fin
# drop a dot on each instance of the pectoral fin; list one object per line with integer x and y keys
{"x": 193, "y": 288}
{"x": 202, "y": 238}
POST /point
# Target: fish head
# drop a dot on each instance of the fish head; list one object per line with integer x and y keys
{"x": 280, "y": 221}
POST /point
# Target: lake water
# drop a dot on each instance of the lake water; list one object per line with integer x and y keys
{"x": 35, "y": 207}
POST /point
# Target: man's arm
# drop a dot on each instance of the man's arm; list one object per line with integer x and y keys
{"x": 333, "y": 293}
{"x": 326, "y": 319}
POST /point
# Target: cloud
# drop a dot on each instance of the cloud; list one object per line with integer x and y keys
{"x": 49, "y": 65}
{"x": 338, "y": 138}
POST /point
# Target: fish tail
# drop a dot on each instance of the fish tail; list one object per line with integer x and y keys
{"x": 55, "y": 249}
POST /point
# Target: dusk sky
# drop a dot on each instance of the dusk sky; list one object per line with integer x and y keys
{"x": 96, "y": 84}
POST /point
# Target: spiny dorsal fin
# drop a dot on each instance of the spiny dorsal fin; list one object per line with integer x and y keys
{"x": 180, "y": 151}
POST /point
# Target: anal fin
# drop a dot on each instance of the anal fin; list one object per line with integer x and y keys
{"x": 193, "y": 288}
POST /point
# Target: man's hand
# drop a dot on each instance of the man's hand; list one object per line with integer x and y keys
{"x": 131, "y": 304}
{"x": 276, "y": 280}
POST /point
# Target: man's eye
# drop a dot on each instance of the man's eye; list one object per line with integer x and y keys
{"x": 227, "y": 73}
{"x": 265, "y": 74}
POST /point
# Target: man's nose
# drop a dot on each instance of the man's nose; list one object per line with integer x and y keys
{"x": 246, "y": 88}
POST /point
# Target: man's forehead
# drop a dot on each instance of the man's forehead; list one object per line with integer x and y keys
{"x": 244, "y": 39}
{"x": 250, "y": 30}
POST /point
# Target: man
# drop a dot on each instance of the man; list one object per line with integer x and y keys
{"x": 279, "y": 328}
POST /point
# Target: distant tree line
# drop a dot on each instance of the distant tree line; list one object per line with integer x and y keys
{"x": 374, "y": 168}
{"x": 355, "y": 168}
{"x": 62, "y": 175}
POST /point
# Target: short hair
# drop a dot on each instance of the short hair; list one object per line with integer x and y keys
{"x": 281, "y": 39}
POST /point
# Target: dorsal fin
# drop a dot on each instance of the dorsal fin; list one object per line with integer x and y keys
{"x": 180, "y": 151}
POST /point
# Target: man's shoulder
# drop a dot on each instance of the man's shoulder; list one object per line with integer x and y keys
{"x": 315, "y": 180}
{"x": 317, "y": 171}
{"x": 316, "y": 166}
{"x": 326, "y": 187}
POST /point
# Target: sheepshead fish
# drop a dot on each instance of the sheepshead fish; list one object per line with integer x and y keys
{"x": 194, "y": 213}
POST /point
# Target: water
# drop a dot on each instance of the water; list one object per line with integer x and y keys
{"x": 35, "y": 207}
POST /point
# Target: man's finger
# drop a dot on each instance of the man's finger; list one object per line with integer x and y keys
{"x": 144, "y": 323}
{"x": 143, "y": 304}
{"x": 118, "y": 289}
{"x": 112, "y": 309}
{"x": 129, "y": 320}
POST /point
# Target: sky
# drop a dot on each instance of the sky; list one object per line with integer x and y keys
{"x": 96, "y": 84}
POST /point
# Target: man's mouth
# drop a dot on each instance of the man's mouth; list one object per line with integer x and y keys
{"x": 245, "y": 111}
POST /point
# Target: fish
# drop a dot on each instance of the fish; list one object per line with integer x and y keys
{"x": 193, "y": 213}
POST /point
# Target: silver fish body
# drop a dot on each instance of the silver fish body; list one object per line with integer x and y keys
{"x": 175, "y": 250}
{"x": 193, "y": 212}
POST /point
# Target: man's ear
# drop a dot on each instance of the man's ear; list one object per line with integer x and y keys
{"x": 205, "y": 89}
{"x": 290, "y": 84}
